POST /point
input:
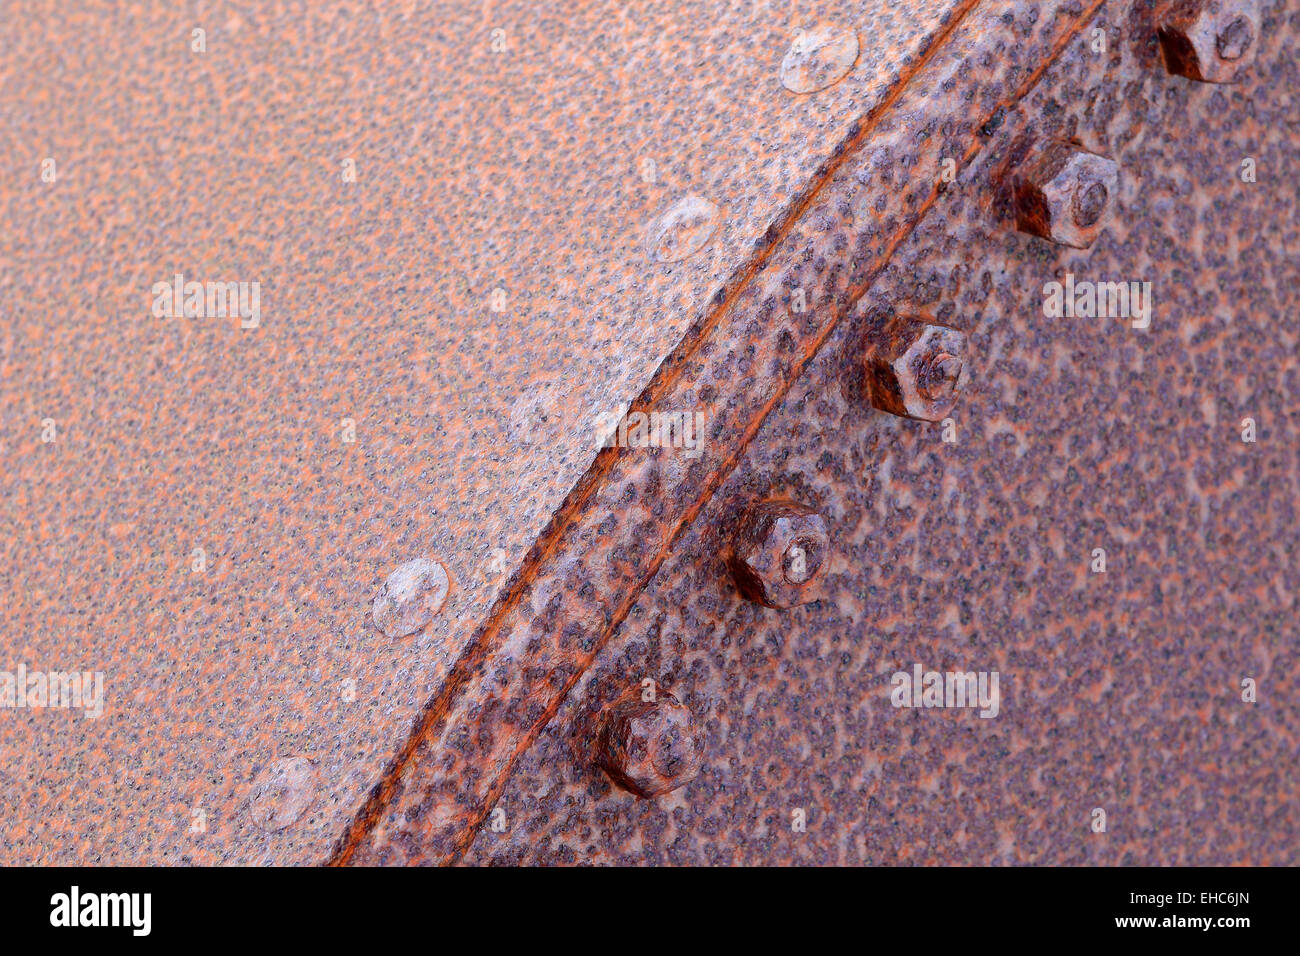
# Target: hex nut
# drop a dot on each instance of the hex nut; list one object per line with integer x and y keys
{"x": 649, "y": 747}
{"x": 1065, "y": 194}
{"x": 915, "y": 368}
{"x": 1211, "y": 41}
{"x": 779, "y": 552}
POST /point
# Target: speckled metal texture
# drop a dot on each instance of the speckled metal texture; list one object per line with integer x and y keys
{"x": 623, "y": 520}
{"x": 445, "y": 206}
{"x": 469, "y": 299}
{"x": 974, "y": 548}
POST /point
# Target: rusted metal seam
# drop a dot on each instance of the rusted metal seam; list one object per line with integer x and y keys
{"x": 667, "y": 376}
{"x": 547, "y": 543}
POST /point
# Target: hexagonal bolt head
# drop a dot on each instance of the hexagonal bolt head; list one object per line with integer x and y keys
{"x": 1065, "y": 194}
{"x": 1208, "y": 40}
{"x": 779, "y": 552}
{"x": 915, "y": 369}
{"x": 649, "y": 747}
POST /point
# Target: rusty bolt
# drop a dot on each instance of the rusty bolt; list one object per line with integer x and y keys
{"x": 1064, "y": 194}
{"x": 914, "y": 368}
{"x": 1208, "y": 40}
{"x": 778, "y": 554}
{"x": 649, "y": 747}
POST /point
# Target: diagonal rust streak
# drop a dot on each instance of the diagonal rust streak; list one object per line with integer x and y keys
{"x": 667, "y": 376}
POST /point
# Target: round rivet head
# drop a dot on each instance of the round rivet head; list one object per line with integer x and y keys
{"x": 411, "y": 597}
{"x": 1211, "y": 41}
{"x": 649, "y": 747}
{"x": 1064, "y": 193}
{"x": 914, "y": 368}
{"x": 778, "y": 553}
{"x": 819, "y": 58}
{"x": 682, "y": 230}
{"x": 282, "y": 793}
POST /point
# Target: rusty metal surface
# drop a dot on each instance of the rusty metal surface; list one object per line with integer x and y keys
{"x": 381, "y": 172}
{"x": 1121, "y": 690}
{"x": 621, "y": 522}
{"x": 516, "y": 162}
